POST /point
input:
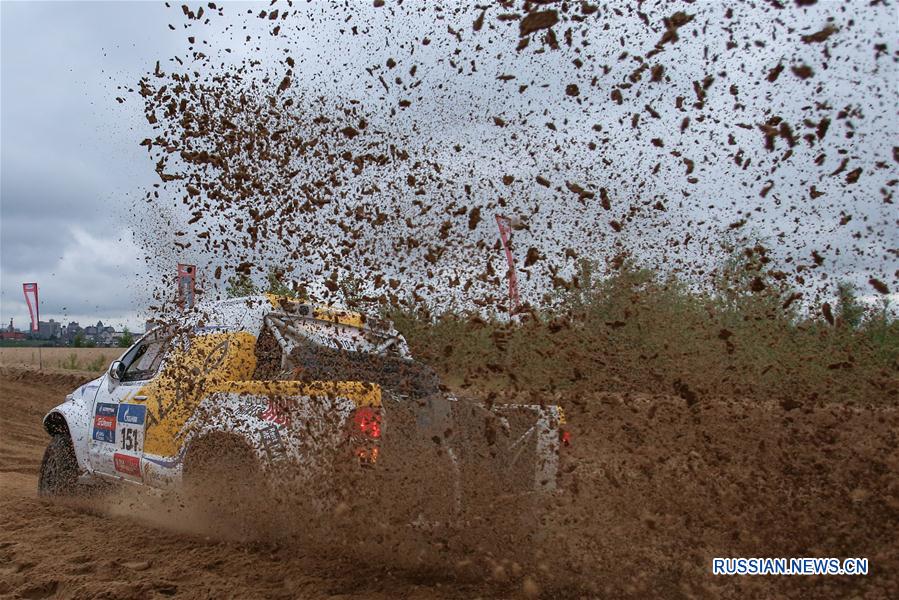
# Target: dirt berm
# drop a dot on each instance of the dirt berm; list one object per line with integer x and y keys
{"x": 654, "y": 489}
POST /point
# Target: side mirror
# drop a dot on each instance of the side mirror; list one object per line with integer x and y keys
{"x": 117, "y": 370}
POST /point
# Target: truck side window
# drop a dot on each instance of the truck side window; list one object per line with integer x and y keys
{"x": 143, "y": 360}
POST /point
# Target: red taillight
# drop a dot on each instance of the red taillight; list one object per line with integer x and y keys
{"x": 365, "y": 434}
{"x": 566, "y": 438}
{"x": 367, "y": 422}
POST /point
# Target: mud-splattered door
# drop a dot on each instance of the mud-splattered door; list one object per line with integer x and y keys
{"x": 120, "y": 411}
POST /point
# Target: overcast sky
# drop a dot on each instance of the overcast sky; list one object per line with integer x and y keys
{"x": 71, "y": 166}
{"x": 69, "y": 155}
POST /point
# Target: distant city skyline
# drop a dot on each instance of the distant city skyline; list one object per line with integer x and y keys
{"x": 70, "y": 333}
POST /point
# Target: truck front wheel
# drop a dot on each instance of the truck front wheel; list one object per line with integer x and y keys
{"x": 59, "y": 468}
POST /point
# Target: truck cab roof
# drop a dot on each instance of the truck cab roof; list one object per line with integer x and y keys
{"x": 292, "y": 320}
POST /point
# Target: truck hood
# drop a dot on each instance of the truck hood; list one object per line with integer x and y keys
{"x": 88, "y": 390}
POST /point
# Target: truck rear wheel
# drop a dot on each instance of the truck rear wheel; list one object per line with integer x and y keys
{"x": 59, "y": 468}
{"x": 224, "y": 482}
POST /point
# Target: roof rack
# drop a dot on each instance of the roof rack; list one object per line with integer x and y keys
{"x": 328, "y": 328}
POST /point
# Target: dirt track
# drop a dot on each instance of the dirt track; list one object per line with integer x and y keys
{"x": 656, "y": 490}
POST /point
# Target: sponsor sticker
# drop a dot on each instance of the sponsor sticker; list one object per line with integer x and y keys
{"x": 271, "y": 441}
{"x": 106, "y": 409}
{"x": 103, "y": 435}
{"x": 104, "y": 423}
{"x": 276, "y": 413}
{"x": 126, "y": 464}
{"x": 133, "y": 414}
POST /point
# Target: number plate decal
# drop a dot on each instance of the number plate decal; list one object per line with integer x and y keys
{"x": 131, "y": 419}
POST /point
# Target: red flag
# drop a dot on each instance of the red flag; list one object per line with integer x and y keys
{"x": 187, "y": 275}
{"x": 505, "y": 231}
{"x": 31, "y": 299}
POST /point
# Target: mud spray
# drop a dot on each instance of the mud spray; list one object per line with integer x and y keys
{"x": 685, "y": 200}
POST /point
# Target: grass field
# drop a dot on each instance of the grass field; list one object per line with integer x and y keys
{"x": 71, "y": 359}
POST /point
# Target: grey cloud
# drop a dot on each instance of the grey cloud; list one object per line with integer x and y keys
{"x": 69, "y": 158}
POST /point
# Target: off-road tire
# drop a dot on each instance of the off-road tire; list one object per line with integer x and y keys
{"x": 59, "y": 468}
{"x": 224, "y": 483}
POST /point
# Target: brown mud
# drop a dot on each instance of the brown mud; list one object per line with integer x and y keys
{"x": 653, "y": 489}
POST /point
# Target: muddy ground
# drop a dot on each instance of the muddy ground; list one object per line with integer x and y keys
{"x": 654, "y": 490}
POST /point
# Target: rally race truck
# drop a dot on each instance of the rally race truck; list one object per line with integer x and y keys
{"x": 302, "y": 401}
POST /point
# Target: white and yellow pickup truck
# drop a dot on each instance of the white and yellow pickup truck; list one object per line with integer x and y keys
{"x": 296, "y": 393}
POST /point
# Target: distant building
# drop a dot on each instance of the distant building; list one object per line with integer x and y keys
{"x": 11, "y": 333}
{"x": 105, "y": 336}
{"x": 48, "y": 330}
{"x": 100, "y": 334}
{"x": 71, "y": 331}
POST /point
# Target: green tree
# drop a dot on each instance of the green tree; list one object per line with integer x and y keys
{"x": 277, "y": 286}
{"x": 239, "y": 285}
{"x": 78, "y": 341}
{"x": 849, "y": 310}
{"x": 882, "y": 327}
{"x": 747, "y": 287}
{"x": 127, "y": 338}
{"x": 351, "y": 289}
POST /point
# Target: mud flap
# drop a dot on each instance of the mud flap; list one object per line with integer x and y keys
{"x": 417, "y": 474}
{"x": 509, "y": 455}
